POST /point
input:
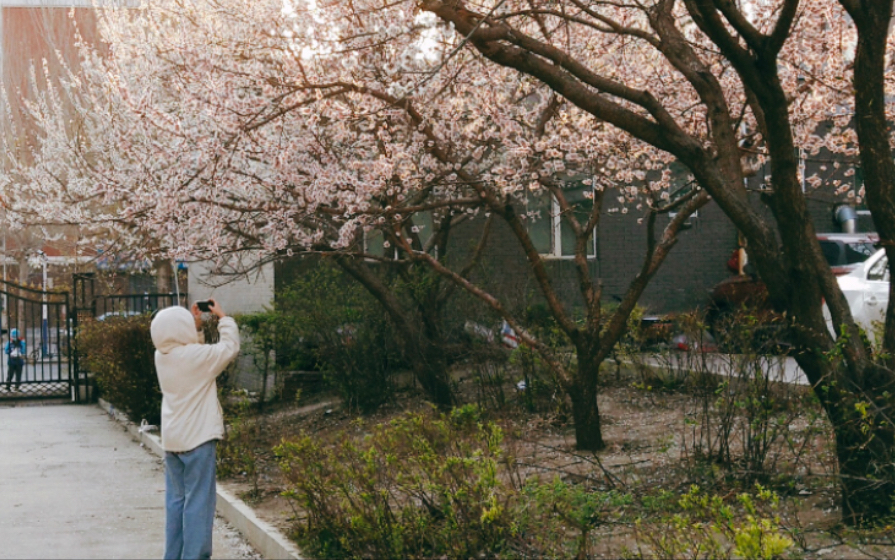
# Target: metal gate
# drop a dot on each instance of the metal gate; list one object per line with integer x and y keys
{"x": 91, "y": 303}
{"x": 46, "y": 321}
{"x": 40, "y": 320}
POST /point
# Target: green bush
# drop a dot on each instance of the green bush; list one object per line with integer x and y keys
{"x": 259, "y": 339}
{"x": 446, "y": 486}
{"x": 310, "y": 310}
{"x": 706, "y": 526}
{"x": 119, "y": 352}
{"x": 560, "y": 519}
{"x": 360, "y": 363}
{"x": 237, "y": 453}
{"x": 421, "y": 486}
{"x": 327, "y": 322}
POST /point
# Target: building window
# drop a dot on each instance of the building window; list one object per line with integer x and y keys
{"x": 552, "y": 235}
{"x": 375, "y": 243}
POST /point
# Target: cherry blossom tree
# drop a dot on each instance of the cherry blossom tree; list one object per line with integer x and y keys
{"x": 214, "y": 135}
{"x": 230, "y": 127}
{"x": 773, "y": 69}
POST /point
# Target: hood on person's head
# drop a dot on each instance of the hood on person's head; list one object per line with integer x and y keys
{"x": 14, "y": 334}
{"x": 173, "y": 327}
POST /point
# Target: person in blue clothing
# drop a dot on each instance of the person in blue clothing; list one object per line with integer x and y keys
{"x": 15, "y": 351}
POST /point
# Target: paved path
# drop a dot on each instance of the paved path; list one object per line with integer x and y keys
{"x": 777, "y": 368}
{"x": 73, "y": 484}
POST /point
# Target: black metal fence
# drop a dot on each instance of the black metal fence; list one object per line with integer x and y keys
{"x": 38, "y": 328}
{"x": 91, "y": 302}
{"x": 36, "y": 339}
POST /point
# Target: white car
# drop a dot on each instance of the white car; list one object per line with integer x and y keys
{"x": 867, "y": 290}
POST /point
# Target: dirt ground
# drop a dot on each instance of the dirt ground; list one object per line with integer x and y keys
{"x": 651, "y": 443}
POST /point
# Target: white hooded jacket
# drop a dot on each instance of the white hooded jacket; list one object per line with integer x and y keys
{"x": 191, "y": 413}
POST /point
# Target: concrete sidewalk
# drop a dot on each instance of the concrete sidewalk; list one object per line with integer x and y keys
{"x": 73, "y": 484}
{"x": 783, "y": 369}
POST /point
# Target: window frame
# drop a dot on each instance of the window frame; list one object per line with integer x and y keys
{"x": 429, "y": 228}
{"x": 556, "y": 230}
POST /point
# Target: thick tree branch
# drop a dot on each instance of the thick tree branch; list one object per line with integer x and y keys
{"x": 570, "y": 79}
{"x": 738, "y": 21}
{"x": 783, "y": 29}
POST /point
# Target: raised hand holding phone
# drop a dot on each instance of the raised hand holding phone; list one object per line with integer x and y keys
{"x": 209, "y": 305}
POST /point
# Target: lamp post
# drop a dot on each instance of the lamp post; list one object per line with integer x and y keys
{"x": 4, "y": 312}
{"x": 44, "y": 323}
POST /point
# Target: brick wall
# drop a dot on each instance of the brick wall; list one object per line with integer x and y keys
{"x": 694, "y": 266}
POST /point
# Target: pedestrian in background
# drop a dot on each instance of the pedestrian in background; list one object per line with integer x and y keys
{"x": 192, "y": 422}
{"x": 15, "y": 351}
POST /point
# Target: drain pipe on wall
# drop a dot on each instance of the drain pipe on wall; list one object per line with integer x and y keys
{"x": 176, "y": 281}
{"x": 846, "y": 217}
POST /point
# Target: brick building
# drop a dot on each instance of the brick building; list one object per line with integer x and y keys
{"x": 694, "y": 266}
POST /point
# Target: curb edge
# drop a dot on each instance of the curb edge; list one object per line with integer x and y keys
{"x": 265, "y": 538}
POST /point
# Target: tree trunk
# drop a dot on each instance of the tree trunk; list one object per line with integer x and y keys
{"x": 586, "y": 416}
{"x": 872, "y": 20}
{"x": 430, "y": 369}
{"x": 23, "y": 281}
{"x": 865, "y": 435}
{"x": 163, "y": 272}
{"x": 866, "y": 470}
{"x": 854, "y": 391}
{"x": 425, "y": 354}
{"x": 864, "y": 440}
{"x": 582, "y": 390}
{"x": 858, "y": 404}
{"x": 435, "y": 360}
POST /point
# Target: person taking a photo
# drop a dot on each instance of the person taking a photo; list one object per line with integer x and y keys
{"x": 192, "y": 421}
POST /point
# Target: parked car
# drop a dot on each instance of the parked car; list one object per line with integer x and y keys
{"x": 866, "y": 288}
{"x": 846, "y": 251}
{"x": 118, "y": 315}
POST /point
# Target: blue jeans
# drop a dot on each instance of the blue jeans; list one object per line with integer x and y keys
{"x": 190, "y": 497}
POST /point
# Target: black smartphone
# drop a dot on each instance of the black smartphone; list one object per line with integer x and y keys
{"x": 204, "y": 305}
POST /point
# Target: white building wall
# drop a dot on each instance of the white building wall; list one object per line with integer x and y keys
{"x": 243, "y": 294}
